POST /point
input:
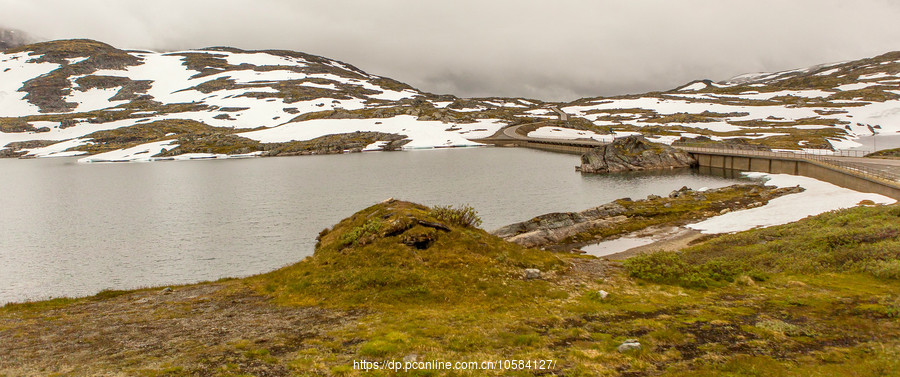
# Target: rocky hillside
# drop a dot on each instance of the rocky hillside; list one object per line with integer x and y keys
{"x": 74, "y": 97}
{"x": 821, "y": 107}
{"x": 73, "y": 90}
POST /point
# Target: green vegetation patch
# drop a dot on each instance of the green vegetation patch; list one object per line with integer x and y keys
{"x": 863, "y": 240}
{"x": 48, "y": 91}
{"x": 374, "y": 291}
{"x": 890, "y": 153}
{"x": 687, "y": 206}
{"x": 126, "y": 137}
{"x": 400, "y": 253}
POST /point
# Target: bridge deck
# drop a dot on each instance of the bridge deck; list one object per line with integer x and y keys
{"x": 880, "y": 171}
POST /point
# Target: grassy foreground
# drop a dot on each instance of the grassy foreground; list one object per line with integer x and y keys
{"x": 399, "y": 281}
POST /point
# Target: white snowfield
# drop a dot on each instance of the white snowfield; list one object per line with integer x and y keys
{"x": 14, "y": 71}
{"x": 567, "y": 133}
{"x": 423, "y": 134}
{"x": 819, "y": 197}
{"x": 143, "y": 152}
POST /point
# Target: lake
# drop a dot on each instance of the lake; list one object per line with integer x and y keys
{"x": 71, "y": 229}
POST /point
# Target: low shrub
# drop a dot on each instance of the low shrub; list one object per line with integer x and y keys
{"x": 463, "y": 216}
{"x": 668, "y": 267}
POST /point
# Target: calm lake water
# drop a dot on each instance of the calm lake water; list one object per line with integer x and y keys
{"x": 72, "y": 229}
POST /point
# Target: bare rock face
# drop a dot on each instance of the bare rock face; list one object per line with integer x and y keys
{"x": 634, "y": 153}
{"x": 554, "y": 227}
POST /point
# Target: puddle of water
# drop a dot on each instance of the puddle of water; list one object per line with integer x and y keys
{"x": 617, "y": 245}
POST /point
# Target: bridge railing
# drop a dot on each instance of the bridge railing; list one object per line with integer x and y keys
{"x": 832, "y": 159}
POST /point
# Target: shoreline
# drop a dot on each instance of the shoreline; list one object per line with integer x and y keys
{"x": 664, "y": 239}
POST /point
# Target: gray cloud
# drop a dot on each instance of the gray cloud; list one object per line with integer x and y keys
{"x": 554, "y": 50}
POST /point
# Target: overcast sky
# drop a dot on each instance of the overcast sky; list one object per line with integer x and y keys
{"x": 552, "y": 50}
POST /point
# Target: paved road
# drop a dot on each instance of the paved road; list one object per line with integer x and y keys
{"x": 884, "y": 168}
{"x": 562, "y": 114}
{"x": 514, "y": 133}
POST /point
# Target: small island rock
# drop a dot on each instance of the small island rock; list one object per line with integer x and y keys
{"x": 634, "y": 153}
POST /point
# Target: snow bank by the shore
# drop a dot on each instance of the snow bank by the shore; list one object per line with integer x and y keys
{"x": 422, "y": 134}
{"x": 819, "y": 197}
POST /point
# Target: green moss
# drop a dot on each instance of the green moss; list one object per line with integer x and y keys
{"x": 890, "y": 153}
{"x": 463, "y": 299}
{"x": 103, "y": 141}
{"x": 873, "y": 94}
{"x": 370, "y": 258}
{"x": 691, "y": 206}
{"x": 865, "y": 240}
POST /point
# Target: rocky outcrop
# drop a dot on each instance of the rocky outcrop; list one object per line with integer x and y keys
{"x": 18, "y": 148}
{"x": 561, "y": 231}
{"x": 554, "y": 227}
{"x": 706, "y": 142}
{"x": 634, "y": 153}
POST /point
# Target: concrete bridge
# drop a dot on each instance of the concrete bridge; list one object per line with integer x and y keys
{"x": 881, "y": 176}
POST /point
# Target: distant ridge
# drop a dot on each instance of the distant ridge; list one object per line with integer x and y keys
{"x": 74, "y": 97}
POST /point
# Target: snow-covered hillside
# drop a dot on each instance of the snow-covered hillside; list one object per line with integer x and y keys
{"x": 65, "y": 98}
{"x": 821, "y": 107}
{"x": 70, "y": 90}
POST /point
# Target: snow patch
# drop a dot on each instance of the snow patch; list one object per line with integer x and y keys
{"x": 819, "y": 197}
{"x": 376, "y": 146}
{"x": 58, "y": 149}
{"x": 694, "y": 87}
{"x": 422, "y": 134}
{"x": 568, "y": 134}
{"x": 143, "y": 152}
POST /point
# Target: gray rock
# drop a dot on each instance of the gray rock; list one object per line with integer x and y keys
{"x": 532, "y": 273}
{"x": 411, "y": 358}
{"x": 166, "y": 291}
{"x": 554, "y": 227}
{"x": 724, "y": 211}
{"x": 629, "y": 345}
{"x": 652, "y": 197}
{"x": 667, "y": 205}
{"x": 602, "y": 294}
{"x": 634, "y": 153}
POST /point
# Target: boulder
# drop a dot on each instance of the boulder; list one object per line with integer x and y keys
{"x": 532, "y": 273}
{"x": 629, "y": 345}
{"x": 634, "y": 153}
{"x": 554, "y": 227}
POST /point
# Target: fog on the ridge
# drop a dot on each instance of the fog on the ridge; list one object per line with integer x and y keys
{"x": 559, "y": 50}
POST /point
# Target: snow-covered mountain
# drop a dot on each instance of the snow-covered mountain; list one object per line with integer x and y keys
{"x": 80, "y": 91}
{"x": 73, "y": 97}
{"x": 821, "y": 107}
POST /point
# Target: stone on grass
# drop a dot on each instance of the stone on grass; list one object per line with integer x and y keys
{"x": 629, "y": 345}
{"x": 532, "y": 273}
